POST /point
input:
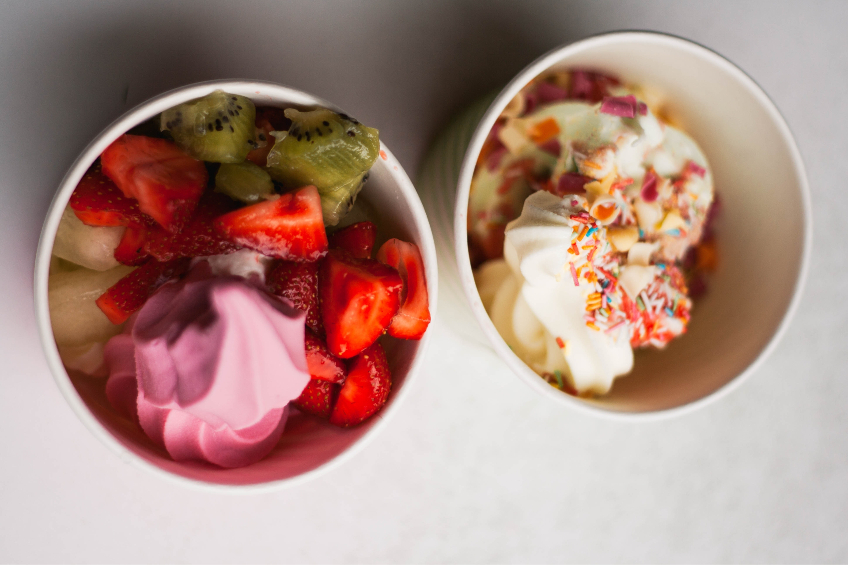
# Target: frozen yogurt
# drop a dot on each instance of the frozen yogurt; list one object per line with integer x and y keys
{"x": 612, "y": 200}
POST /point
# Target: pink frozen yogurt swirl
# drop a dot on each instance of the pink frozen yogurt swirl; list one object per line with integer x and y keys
{"x": 208, "y": 366}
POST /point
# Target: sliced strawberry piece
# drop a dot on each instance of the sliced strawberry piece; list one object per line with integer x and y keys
{"x": 275, "y": 116}
{"x": 413, "y": 316}
{"x": 318, "y": 398}
{"x": 96, "y": 201}
{"x": 130, "y": 250}
{"x": 298, "y": 283}
{"x": 264, "y": 140}
{"x": 290, "y": 227}
{"x": 322, "y": 364}
{"x": 166, "y": 182}
{"x": 359, "y": 298}
{"x": 356, "y": 239}
{"x": 365, "y": 390}
{"x": 131, "y": 292}
{"x": 199, "y": 238}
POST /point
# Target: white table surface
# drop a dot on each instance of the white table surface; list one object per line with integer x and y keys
{"x": 476, "y": 467}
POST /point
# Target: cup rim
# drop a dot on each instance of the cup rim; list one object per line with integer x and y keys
{"x": 463, "y": 187}
{"x": 141, "y": 112}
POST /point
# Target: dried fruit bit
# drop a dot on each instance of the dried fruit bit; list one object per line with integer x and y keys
{"x": 357, "y": 239}
{"x": 289, "y": 227}
{"x": 413, "y": 316}
{"x": 359, "y": 298}
{"x": 366, "y": 388}
{"x": 131, "y": 292}
{"x": 621, "y": 106}
{"x": 166, "y": 182}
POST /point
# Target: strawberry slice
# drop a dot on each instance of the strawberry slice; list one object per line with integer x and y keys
{"x": 322, "y": 364}
{"x": 96, "y": 201}
{"x": 130, "y": 250}
{"x": 365, "y": 390}
{"x": 317, "y": 398}
{"x": 413, "y": 316}
{"x": 356, "y": 239}
{"x": 359, "y": 298}
{"x": 290, "y": 227}
{"x": 199, "y": 238}
{"x": 131, "y": 292}
{"x": 166, "y": 182}
{"x": 298, "y": 283}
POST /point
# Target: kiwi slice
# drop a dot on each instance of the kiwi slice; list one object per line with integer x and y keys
{"x": 243, "y": 181}
{"x": 335, "y": 204}
{"x": 219, "y": 127}
{"x": 329, "y": 150}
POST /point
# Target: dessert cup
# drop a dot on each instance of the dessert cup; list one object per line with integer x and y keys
{"x": 764, "y": 233}
{"x": 309, "y": 447}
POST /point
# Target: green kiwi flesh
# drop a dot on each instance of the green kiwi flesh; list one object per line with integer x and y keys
{"x": 244, "y": 181}
{"x": 329, "y": 150}
{"x": 336, "y": 203}
{"x": 220, "y": 127}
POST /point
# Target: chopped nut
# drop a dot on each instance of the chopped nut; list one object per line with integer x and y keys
{"x": 622, "y": 238}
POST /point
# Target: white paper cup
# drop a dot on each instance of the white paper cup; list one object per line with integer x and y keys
{"x": 764, "y": 232}
{"x": 309, "y": 447}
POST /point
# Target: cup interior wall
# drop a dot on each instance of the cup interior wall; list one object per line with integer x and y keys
{"x": 760, "y": 233}
{"x": 308, "y": 443}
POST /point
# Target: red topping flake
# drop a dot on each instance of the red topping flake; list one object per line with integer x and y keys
{"x": 643, "y": 109}
{"x": 560, "y": 343}
{"x": 571, "y": 183}
{"x": 590, "y": 86}
{"x": 621, "y": 106}
{"x": 649, "y": 187}
{"x": 695, "y": 169}
{"x": 493, "y": 161}
{"x": 548, "y": 93}
{"x": 552, "y": 146}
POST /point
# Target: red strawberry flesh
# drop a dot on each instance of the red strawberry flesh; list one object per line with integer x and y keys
{"x": 359, "y": 298}
{"x": 366, "y": 388}
{"x": 413, "y": 316}
{"x": 357, "y": 239}
{"x": 290, "y": 227}
{"x": 130, "y": 250}
{"x": 199, "y": 238}
{"x": 131, "y": 292}
{"x": 298, "y": 283}
{"x": 322, "y": 364}
{"x": 317, "y": 398}
{"x": 97, "y": 201}
{"x": 166, "y": 182}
